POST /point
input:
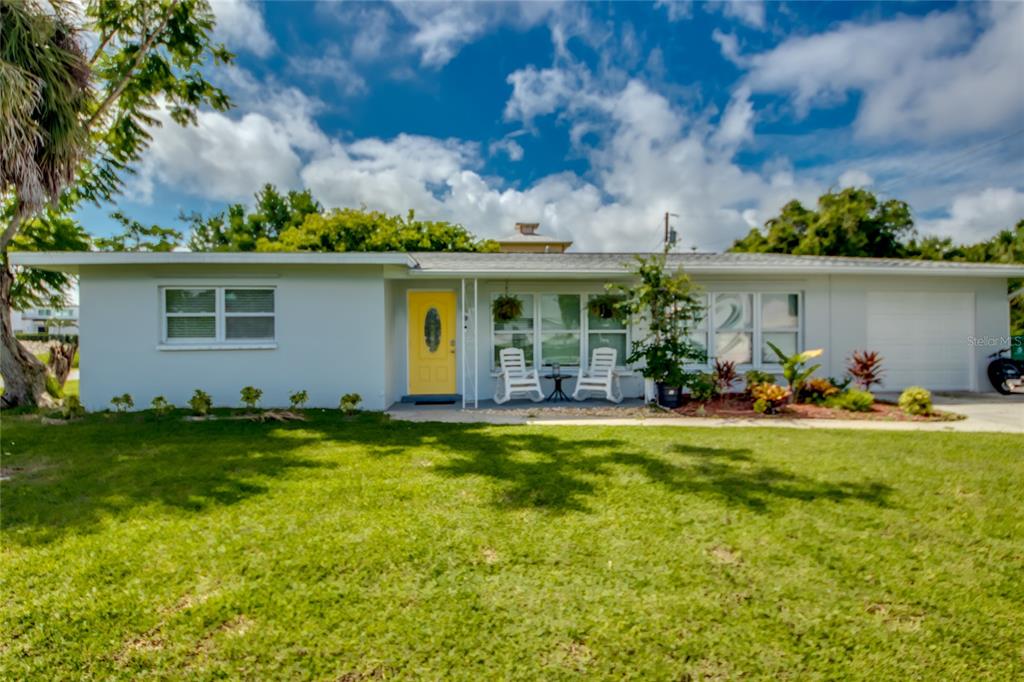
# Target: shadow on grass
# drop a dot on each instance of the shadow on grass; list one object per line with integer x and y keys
{"x": 70, "y": 477}
{"x": 559, "y": 475}
{"x": 108, "y": 465}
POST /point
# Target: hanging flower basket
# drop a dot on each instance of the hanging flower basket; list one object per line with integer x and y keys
{"x": 604, "y": 307}
{"x": 506, "y": 307}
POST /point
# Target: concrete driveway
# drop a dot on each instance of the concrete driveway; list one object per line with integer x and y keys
{"x": 988, "y": 410}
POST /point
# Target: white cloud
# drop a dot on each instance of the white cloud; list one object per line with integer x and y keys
{"x": 729, "y": 45}
{"x": 507, "y": 146}
{"x": 737, "y": 123}
{"x": 441, "y": 30}
{"x": 676, "y": 10}
{"x": 855, "y": 177}
{"x": 538, "y": 92}
{"x": 650, "y": 157}
{"x": 749, "y": 12}
{"x": 240, "y": 25}
{"x": 920, "y": 78}
{"x": 976, "y": 216}
{"x": 330, "y": 66}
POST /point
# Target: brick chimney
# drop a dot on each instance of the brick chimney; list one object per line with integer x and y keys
{"x": 527, "y": 228}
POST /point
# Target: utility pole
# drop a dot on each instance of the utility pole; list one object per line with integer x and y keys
{"x": 670, "y": 233}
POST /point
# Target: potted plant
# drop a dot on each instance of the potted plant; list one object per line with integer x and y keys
{"x": 506, "y": 308}
{"x": 669, "y": 305}
{"x": 605, "y": 306}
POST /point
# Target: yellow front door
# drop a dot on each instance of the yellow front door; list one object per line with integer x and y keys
{"x": 431, "y": 342}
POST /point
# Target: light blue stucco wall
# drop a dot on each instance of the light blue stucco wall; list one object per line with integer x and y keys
{"x": 342, "y": 329}
{"x": 330, "y": 328}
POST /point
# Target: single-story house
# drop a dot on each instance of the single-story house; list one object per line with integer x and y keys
{"x": 398, "y": 325}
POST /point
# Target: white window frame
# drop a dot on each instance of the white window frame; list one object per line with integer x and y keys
{"x": 585, "y": 335}
{"x": 538, "y": 331}
{"x": 219, "y": 314}
{"x": 758, "y": 330}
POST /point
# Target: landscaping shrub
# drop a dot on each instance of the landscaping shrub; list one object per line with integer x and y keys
{"x": 725, "y": 375}
{"x": 853, "y": 400}
{"x": 160, "y": 405}
{"x": 34, "y": 336}
{"x": 123, "y": 402}
{"x": 72, "y": 407}
{"x": 866, "y": 368}
{"x": 349, "y": 403}
{"x": 251, "y": 396}
{"x": 793, "y": 370}
{"x": 756, "y": 376}
{"x": 298, "y": 399}
{"x": 201, "y": 403}
{"x": 916, "y": 401}
{"x": 703, "y": 387}
{"x": 816, "y": 391}
{"x": 768, "y": 397}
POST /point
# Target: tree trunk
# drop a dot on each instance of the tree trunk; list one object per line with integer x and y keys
{"x": 24, "y": 376}
{"x": 62, "y": 357}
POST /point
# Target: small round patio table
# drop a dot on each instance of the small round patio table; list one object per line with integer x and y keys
{"x": 558, "y": 393}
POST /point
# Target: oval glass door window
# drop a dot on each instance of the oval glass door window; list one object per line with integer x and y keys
{"x": 432, "y": 330}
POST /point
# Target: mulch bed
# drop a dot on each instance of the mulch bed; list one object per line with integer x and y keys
{"x": 739, "y": 406}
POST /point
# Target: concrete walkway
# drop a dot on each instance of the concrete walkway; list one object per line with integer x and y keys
{"x": 984, "y": 412}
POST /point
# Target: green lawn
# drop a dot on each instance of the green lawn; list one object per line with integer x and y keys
{"x": 359, "y": 549}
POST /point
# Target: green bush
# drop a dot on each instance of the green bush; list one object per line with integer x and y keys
{"x": 349, "y": 403}
{"x": 703, "y": 387}
{"x": 123, "y": 402}
{"x": 298, "y": 399}
{"x": 34, "y": 336}
{"x": 201, "y": 403}
{"x": 72, "y": 407}
{"x": 756, "y": 376}
{"x": 160, "y": 405}
{"x": 916, "y": 401}
{"x": 761, "y": 406}
{"x": 251, "y": 396}
{"x": 854, "y": 400}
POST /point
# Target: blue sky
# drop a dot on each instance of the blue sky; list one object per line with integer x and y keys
{"x": 595, "y": 119}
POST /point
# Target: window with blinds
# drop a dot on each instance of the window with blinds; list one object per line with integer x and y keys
{"x": 201, "y": 315}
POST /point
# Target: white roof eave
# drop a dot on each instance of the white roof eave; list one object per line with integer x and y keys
{"x": 71, "y": 261}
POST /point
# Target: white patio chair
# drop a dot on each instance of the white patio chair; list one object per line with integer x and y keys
{"x": 600, "y": 376}
{"x": 514, "y": 379}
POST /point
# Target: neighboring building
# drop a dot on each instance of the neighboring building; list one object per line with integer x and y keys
{"x": 386, "y": 325}
{"x": 526, "y": 240}
{"x": 45, "y": 320}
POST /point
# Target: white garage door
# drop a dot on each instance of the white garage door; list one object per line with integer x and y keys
{"x": 923, "y": 338}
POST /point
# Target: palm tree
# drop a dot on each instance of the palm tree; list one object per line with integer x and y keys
{"x": 45, "y": 94}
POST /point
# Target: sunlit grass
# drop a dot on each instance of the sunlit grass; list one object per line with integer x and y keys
{"x": 135, "y": 545}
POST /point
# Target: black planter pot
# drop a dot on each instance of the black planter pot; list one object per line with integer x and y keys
{"x": 669, "y": 396}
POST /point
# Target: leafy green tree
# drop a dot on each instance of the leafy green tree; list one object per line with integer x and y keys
{"x": 138, "y": 237}
{"x": 668, "y": 305}
{"x": 239, "y": 229}
{"x": 73, "y": 122}
{"x": 851, "y": 222}
{"x": 351, "y": 229}
{"x": 47, "y": 231}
